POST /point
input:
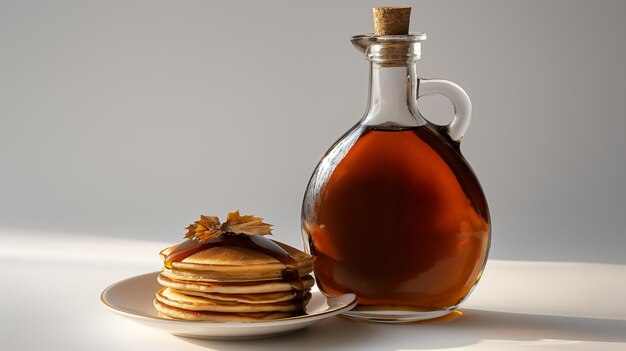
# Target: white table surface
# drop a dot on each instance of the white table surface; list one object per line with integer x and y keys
{"x": 51, "y": 285}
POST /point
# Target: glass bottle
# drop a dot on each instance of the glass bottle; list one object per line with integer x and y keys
{"x": 393, "y": 212}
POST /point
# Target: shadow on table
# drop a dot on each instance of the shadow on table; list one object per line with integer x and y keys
{"x": 466, "y": 328}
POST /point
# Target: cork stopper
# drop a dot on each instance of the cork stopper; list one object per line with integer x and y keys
{"x": 391, "y": 20}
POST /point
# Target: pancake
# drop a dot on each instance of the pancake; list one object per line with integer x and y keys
{"x": 178, "y": 313}
{"x": 176, "y": 299}
{"x": 235, "y": 263}
{"x": 245, "y": 298}
{"x": 254, "y": 287}
{"x": 239, "y": 274}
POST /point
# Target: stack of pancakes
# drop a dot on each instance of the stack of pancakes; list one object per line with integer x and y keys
{"x": 233, "y": 284}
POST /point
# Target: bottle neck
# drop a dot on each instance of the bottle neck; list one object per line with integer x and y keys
{"x": 393, "y": 96}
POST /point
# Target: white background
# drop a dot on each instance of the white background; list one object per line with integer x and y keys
{"x": 130, "y": 118}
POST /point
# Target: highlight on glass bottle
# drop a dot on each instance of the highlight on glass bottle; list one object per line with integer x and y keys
{"x": 393, "y": 212}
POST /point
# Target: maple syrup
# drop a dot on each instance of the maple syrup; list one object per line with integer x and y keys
{"x": 401, "y": 222}
{"x": 393, "y": 212}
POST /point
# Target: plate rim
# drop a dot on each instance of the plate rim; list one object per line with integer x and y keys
{"x": 290, "y": 320}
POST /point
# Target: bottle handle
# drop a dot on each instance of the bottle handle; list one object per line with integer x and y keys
{"x": 460, "y": 101}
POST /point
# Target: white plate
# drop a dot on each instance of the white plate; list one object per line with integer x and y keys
{"x": 132, "y": 298}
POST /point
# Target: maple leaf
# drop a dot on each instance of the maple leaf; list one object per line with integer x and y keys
{"x": 191, "y": 231}
{"x": 207, "y": 228}
{"x": 238, "y": 224}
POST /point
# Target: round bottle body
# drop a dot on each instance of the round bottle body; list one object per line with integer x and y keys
{"x": 397, "y": 217}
